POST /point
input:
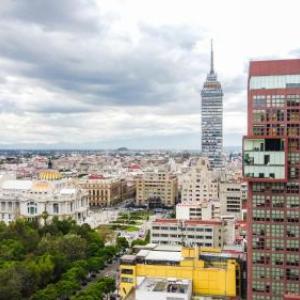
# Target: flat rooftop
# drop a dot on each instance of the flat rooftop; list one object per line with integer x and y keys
{"x": 173, "y": 286}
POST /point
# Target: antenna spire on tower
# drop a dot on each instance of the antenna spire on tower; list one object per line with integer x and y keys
{"x": 211, "y": 57}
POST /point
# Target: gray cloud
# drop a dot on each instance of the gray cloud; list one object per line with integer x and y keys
{"x": 66, "y": 15}
{"x": 62, "y": 61}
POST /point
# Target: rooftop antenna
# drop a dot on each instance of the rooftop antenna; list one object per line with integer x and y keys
{"x": 211, "y": 57}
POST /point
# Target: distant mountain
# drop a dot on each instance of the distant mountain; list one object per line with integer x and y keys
{"x": 122, "y": 149}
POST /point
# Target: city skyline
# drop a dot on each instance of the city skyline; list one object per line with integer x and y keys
{"x": 108, "y": 73}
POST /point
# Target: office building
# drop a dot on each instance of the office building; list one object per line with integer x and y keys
{"x": 271, "y": 164}
{"x": 212, "y": 118}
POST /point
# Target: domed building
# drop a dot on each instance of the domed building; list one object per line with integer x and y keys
{"x": 48, "y": 196}
{"x": 49, "y": 175}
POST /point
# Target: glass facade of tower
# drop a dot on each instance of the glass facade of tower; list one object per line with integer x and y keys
{"x": 271, "y": 154}
{"x": 212, "y": 120}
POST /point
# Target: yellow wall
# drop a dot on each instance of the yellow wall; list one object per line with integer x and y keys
{"x": 214, "y": 281}
{"x": 125, "y": 287}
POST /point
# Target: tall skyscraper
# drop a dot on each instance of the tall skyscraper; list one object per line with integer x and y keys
{"x": 212, "y": 117}
{"x": 271, "y": 154}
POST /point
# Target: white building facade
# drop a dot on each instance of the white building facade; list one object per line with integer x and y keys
{"x": 42, "y": 200}
{"x": 200, "y": 184}
{"x": 231, "y": 198}
{"x": 189, "y": 233}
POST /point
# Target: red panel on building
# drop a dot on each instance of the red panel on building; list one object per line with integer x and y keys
{"x": 274, "y": 67}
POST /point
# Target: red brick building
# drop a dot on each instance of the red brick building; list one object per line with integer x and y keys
{"x": 271, "y": 154}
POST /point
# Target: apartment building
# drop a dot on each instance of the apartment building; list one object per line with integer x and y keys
{"x": 156, "y": 188}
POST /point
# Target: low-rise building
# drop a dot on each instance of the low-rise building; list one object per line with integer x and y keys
{"x": 156, "y": 188}
{"x": 201, "y": 233}
{"x": 231, "y": 194}
{"x": 191, "y": 211}
{"x": 104, "y": 192}
{"x": 212, "y": 273}
{"x": 163, "y": 289}
{"x": 42, "y": 199}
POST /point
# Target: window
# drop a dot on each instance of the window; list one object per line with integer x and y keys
{"x": 274, "y": 82}
{"x": 266, "y": 159}
{"x": 127, "y": 280}
{"x": 127, "y": 271}
{"x": 55, "y": 208}
{"x": 31, "y": 208}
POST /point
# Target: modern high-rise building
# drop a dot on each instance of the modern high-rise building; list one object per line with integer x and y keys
{"x": 212, "y": 118}
{"x": 271, "y": 154}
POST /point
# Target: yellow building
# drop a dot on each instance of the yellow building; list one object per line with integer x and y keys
{"x": 211, "y": 272}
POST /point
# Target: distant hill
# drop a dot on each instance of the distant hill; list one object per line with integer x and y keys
{"x": 122, "y": 149}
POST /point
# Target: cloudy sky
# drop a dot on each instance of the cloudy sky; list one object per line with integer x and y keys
{"x": 110, "y": 73}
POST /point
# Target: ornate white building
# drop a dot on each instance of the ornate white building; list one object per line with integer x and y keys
{"x": 42, "y": 199}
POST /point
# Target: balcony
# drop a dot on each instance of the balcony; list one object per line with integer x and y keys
{"x": 264, "y": 158}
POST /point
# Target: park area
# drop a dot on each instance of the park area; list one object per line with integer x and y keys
{"x": 61, "y": 260}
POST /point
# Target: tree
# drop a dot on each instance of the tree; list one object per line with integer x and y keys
{"x": 29, "y": 273}
{"x": 66, "y": 288}
{"x": 73, "y": 247}
{"x": 11, "y": 250}
{"x": 51, "y": 262}
{"x": 45, "y": 267}
{"x": 64, "y": 226}
{"x": 49, "y": 293}
{"x": 107, "y": 252}
{"x": 105, "y": 232}
{"x": 22, "y": 231}
{"x": 122, "y": 243}
{"x": 138, "y": 242}
{"x": 95, "y": 264}
{"x": 109, "y": 284}
{"x": 10, "y": 284}
{"x": 96, "y": 290}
